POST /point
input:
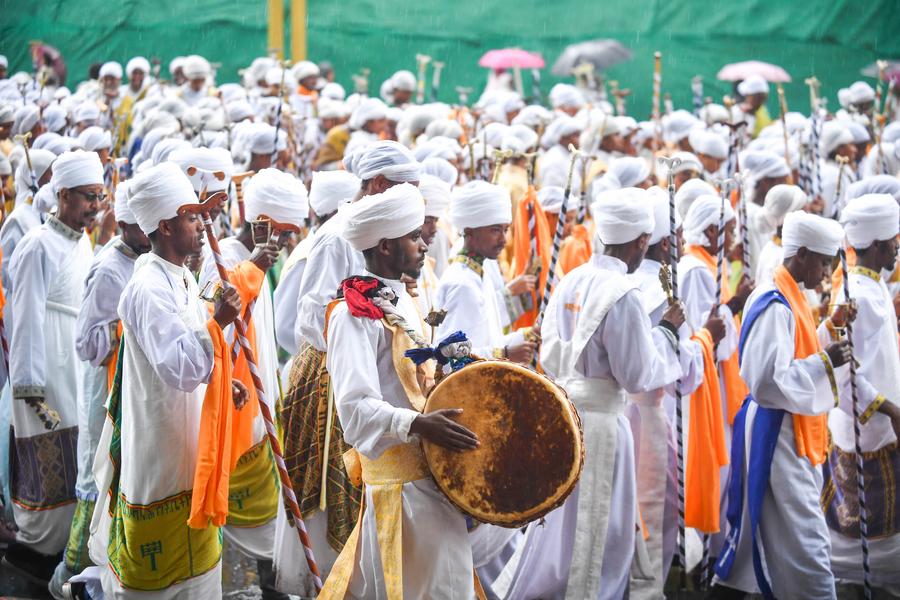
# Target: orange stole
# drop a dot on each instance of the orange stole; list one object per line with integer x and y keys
{"x": 522, "y": 249}
{"x": 113, "y": 353}
{"x": 575, "y": 250}
{"x": 706, "y": 445}
{"x": 735, "y": 388}
{"x": 810, "y": 433}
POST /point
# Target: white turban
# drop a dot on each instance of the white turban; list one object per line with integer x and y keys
{"x": 689, "y": 162}
{"x": 175, "y": 64}
{"x": 628, "y": 171}
{"x": 74, "y": 169}
{"x": 526, "y": 134}
{"x": 122, "y": 211}
{"x": 480, "y": 204}
{"x": 55, "y": 118}
{"x": 5, "y": 166}
{"x": 262, "y": 139}
{"x": 403, "y": 80}
{"x": 436, "y": 193}
{"x": 332, "y": 90}
{"x": 753, "y": 85}
{"x": 277, "y": 195}
{"x": 94, "y": 138}
{"x": 871, "y": 218}
{"x": 304, "y": 69}
{"x": 238, "y": 110}
{"x": 678, "y": 125}
{"x": 551, "y": 199}
{"x": 705, "y": 211}
{"x": 166, "y": 148}
{"x": 532, "y": 116}
{"x": 330, "y": 189}
{"x": 205, "y": 159}
{"x": 394, "y": 213}
{"x": 815, "y": 233}
{"x": 87, "y": 111}
{"x": 370, "y": 109}
{"x": 441, "y": 168}
{"x": 40, "y": 161}
{"x": 45, "y": 199}
{"x": 561, "y": 127}
{"x": 493, "y": 133}
{"x": 53, "y": 142}
{"x": 764, "y": 163}
{"x": 781, "y": 200}
{"x": 111, "y": 69}
{"x": 26, "y": 117}
{"x": 704, "y": 141}
{"x": 332, "y": 109}
{"x": 860, "y": 92}
{"x": 158, "y": 193}
{"x": 388, "y": 158}
{"x": 834, "y": 134}
{"x": 858, "y": 131}
{"x": 658, "y": 200}
{"x": 195, "y": 67}
{"x": 877, "y": 184}
{"x": 7, "y": 113}
{"x": 622, "y": 216}
{"x": 138, "y": 63}
{"x": 890, "y": 134}
{"x": 688, "y": 192}
{"x": 564, "y": 95}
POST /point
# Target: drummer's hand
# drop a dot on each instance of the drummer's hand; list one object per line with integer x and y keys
{"x": 439, "y": 428}
{"x": 521, "y": 353}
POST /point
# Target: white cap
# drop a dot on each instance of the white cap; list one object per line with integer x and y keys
{"x": 331, "y": 189}
{"x": 705, "y": 211}
{"x": 622, "y": 216}
{"x": 137, "y": 63}
{"x": 95, "y": 138}
{"x": 205, "y": 160}
{"x": 388, "y": 158}
{"x": 753, "y": 85}
{"x": 158, "y": 193}
{"x": 480, "y": 204}
{"x": 277, "y": 195}
{"x": 436, "y": 193}
{"x": 396, "y": 212}
{"x": 304, "y": 69}
{"x": 111, "y": 69}
{"x": 871, "y": 218}
{"x": 704, "y": 141}
{"x": 834, "y": 135}
{"x": 781, "y": 200}
{"x": 74, "y": 169}
{"x": 122, "y": 211}
{"x": 815, "y": 233}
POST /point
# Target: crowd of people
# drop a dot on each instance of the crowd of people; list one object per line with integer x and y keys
{"x": 207, "y": 289}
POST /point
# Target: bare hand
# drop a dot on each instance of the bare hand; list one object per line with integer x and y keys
{"x": 521, "y": 284}
{"x": 411, "y": 285}
{"x": 674, "y": 314}
{"x": 839, "y": 353}
{"x": 521, "y": 353}
{"x": 716, "y": 327}
{"x": 264, "y": 256}
{"x": 228, "y": 307}
{"x": 239, "y": 394}
{"x": 841, "y": 312}
{"x": 744, "y": 289}
{"x": 439, "y": 428}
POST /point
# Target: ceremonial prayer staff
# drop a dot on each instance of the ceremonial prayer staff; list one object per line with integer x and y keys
{"x": 436, "y": 79}
{"x": 284, "y": 65}
{"x": 782, "y": 104}
{"x": 860, "y": 474}
{"x": 842, "y": 161}
{"x": 238, "y": 180}
{"x": 558, "y": 235}
{"x": 422, "y": 61}
{"x": 725, "y": 186}
{"x": 241, "y": 338}
{"x": 23, "y": 138}
{"x": 814, "y": 105}
{"x": 670, "y": 276}
{"x": 657, "y": 84}
{"x": 739, "y": 178}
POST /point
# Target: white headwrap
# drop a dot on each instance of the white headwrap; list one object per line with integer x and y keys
{"x": 53, "y": 142}
{"x": 437, "y": 195}
{"x": 834, "y": 134}
{"x": 704, "y": 212}
{"x": 95, "y": 138}
{"x": 138, "y": 63}
{"x": 403, "y": 80}
{"x": 781, "y": 200}
{"x": 370, "y": 109}
{"x": 532, "y": 116}
{"x": 277, "y": 195}
{"x": 122, "y": 210}
{"x": 388, "y": 158}
{"x": 658, "y": 200}
{"x": 480, "y": 204}
{"x": 689, "y": 162}
{"x": 205, "y": 159}
{"x": 304, "y": 69}
{"x": 441, "y": 168}
{"x": 55, "y": 118}
{"x": 175, "y": 64}
{"x": 331, "y": 189}
{"x": 165, "y": 148}
{"x": 704, "y": 141}
{"x": 688, "y": 192}
{"x": 860, "y": 92}
{"x": 45, "y": 199}
{"x": 332, "y": 90}
{"x": 41, "y": 161}
{"x": 26, "y": 117}
{"x": 622, "y": 216}
{"x": 753, "y": 85}
{"x": 551, "y": 199}
{"x": 3, "y": 61}
{"x": 239, "y": 110}
{"x": 332, "y": 109}
{"x": 877, "y": 184}
{"x": 392, "y": 214}
{"x": 563, "y": 95}
{"x": 74, "y": 169}
{"x": 158, "y": 193}
{"x": 678, "y": 125}
{"x": 561, "y": 127}
{"x": 764, "y": 163}
{"x": 7, "y": 113}
{"x": 628, "y": 171}
{"x": 111, "y": 69}
{"x": 86, "y": 111}
{"x": 871, "y": 218}
{"x": 195, "y": 67}
{"x": 815, "y": 233}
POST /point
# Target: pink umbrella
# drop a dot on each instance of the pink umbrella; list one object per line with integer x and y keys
{"x": 743, "y": 70}
{"x": 509, "y": 58}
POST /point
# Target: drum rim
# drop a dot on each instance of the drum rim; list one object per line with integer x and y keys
{"x": 574, "y": 420}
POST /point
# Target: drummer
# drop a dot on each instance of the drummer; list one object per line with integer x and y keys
{"x": 410, "y": 542}
{"x": 598, "y": 343}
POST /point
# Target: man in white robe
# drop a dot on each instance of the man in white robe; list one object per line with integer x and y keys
{"x": 778, "y": 541}
{"x": 47, "y": 272}
{"x": 871, "y": 224}
{"x": 780, "y": 200}
{"x": 383, "y": 423}
{"x": 836, "y": 140}
{"x": 598, "y": 343}
{"x": 437, "y": 198}
{"x": 147, "y": 455}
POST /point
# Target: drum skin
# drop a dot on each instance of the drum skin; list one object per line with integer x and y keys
{"x": 531, "y": 451}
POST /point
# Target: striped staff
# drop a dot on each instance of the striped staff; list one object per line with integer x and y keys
{"x": 669, "y": 279}
{"x": 740, "y": 177}
{"x": 241, "y": 335}
{"x": 558, "y": 235}
{"x": 285, "y": 64}
{"x": 657, "y": 85}
{"x": 697, "y": 91}
{"x": 860, "y": 475}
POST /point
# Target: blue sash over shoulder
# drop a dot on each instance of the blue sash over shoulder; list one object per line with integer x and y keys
{"x": 764, "y": 437}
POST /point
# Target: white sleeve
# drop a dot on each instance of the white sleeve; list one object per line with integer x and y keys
{"x": 775, "y": 378}
{"x": 98, "y": 310}
{"x": 370, "y": 424}
{"x": 285, "y": 302}
{"x": 31, "y": 272}
{"x": 326, "y": 268}
{"x": 465, "y": 308}
{"x": 698, "y": 293}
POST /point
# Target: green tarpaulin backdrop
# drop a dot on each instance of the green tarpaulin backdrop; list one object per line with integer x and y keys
{"x": 831, "y": 39}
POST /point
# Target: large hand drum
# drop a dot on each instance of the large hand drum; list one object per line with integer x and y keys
{"x": 531, "y": 450}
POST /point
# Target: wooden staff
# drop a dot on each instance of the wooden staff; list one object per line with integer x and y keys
{"x": 422, "y": 61}
{"x": 241, "y": 335}
{"x": 782, "y": 104}
{"x": 842, "y": 161}
{"x": 437, "y": 67}
{"x": 238, "y": 180}
{"x": 657, "y": 86}
{"x": 23, "y": 139}
{"x": 499, "y": 157}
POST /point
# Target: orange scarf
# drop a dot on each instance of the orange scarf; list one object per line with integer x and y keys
{"x": 811, "y": 433}
{"x": 735, "y": 388}
{"x": 706, "y": 445}
{"x": 225, "y": 432}
{"x": 575, "y": 249}
{"x": 522, "y": 249}
{"x": 113, "y": 353}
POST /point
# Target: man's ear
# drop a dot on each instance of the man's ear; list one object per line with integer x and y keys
{"x": 164, "y": 228}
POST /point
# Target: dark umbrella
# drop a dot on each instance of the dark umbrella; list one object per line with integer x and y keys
{"x": 44, "y": 55}
{"x": 603, "y": 54}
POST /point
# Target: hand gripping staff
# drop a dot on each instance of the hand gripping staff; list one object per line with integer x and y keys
{"x": 241, "y": 335}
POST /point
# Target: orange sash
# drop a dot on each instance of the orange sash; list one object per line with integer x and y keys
{"x": 575, "y": 249}
{"x": 113, "y": 353}
{"x": 706, "y": 445}
{"x": 522, "y": 248}
{"x": 735, "y": 388}
{"x": 810, "y": 433}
